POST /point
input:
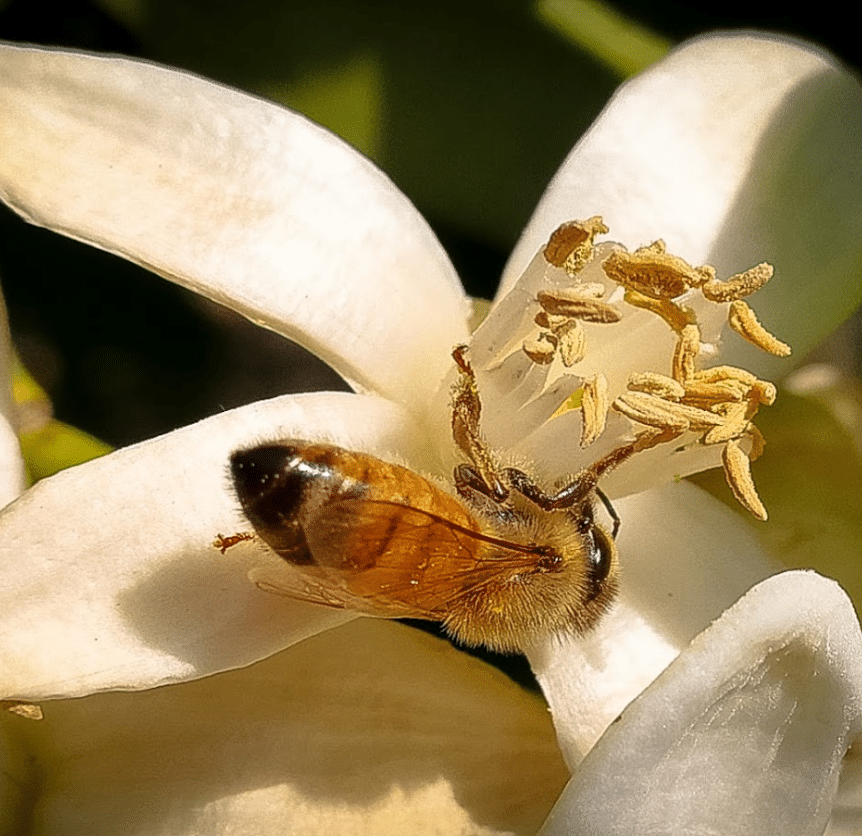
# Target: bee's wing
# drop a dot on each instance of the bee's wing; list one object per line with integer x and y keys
{"x": 326, "y": 591}
{"x": 387, "y": 559}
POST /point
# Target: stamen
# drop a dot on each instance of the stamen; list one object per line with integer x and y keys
{"x": 716, "y": 374}
{"x": 737, "y": 469}
{"x": 654, "y": 272}
{"x": 571, "y": 245}
{"x": 654, "y": 383}
{"x": 687, "y": 349}
{"x": 717, "y": 404}
{"x": 568, "y": 302}
{"x": 704, "y": 394}
{"x": 734, "y": 425}
{"x": 540, "y": 348}
{"x": 551, "y": 321}
{"x": 674, "y": 315}
{"x": 651, "y": 411}
{"x": 742, "y": 284}
{"x": 758, "y": 442}
{"x": 572, "y": 342}
{"x": 764, "y": 391}
{"x": 594, "y": 408}
{"x": 743, "y": 320}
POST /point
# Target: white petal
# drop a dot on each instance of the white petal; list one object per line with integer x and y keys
{"x": 735, "y": 150}
{"x": 371, "y": 728}
{"x": 744, "y": 733}
{"x": 238, "y": 199}
{"x": 685, "y": 558}
{"x": 11, "y": 464}
{"x": 110, "y": 575}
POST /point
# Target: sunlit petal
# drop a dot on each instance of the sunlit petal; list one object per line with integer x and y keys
{"x": 744, "y": 733}
{"x": 238, "y": 199}
{"x": 110, "y": 575}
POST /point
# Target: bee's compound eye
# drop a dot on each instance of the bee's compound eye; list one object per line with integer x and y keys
{"x": 601, "y": 560}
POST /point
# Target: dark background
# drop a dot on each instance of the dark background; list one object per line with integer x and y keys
{"x": 127, "y": 356}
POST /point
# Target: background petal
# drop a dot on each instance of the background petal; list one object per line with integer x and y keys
{"x": 744, "y": 733}
{"x": 685, "y": 558}
{"x": 110, "y": 575}
{"x": 734, "y": 149}
{"x": 238, "y": 199}
{"x": 371, "y": 728}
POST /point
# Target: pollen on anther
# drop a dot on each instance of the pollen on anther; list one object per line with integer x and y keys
{"x": 737, "y": 469}
{"x": 743, "y": 320}
{"x": 594, "y": 408}
{"x": 705, "y": 406}
{"x": 571, "y": 244}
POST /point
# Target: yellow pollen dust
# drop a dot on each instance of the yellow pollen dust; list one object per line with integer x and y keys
{"x": 716, "y": 403}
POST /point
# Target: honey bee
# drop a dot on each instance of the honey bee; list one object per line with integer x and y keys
{"x": 499, "y": 562}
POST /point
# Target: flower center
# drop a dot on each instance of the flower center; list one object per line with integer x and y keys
{"x": 580, "y": 290}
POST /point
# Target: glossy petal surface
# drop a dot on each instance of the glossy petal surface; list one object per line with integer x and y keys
{"x": 127, "y": 590}
{"x": 238, "y": 199}
{"x": 744, "y": 733}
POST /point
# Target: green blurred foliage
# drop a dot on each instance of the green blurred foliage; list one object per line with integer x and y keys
{"x": 48, "y": 445}
{"x": 810, "y": 479}
{"x": 469, "y": 107}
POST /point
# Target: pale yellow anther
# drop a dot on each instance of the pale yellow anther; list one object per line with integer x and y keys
{"x": 540, "y": 348}
{"x": 705, "y": 273}
{"x": 758, "y": 442}
{"x": 738, "y": 286}
{"x": 737, "y": 469}
{"x": 649, "y": 414}
{"x": 594, "y": 408}
{"x": 572, "y": 343}
{"x": 676, "y": 316}
{"x": 571, "y": 244}
{"x": 563, "y": 302}
{"x": 742, "y": 319}
{"x": 551, "y": 321}
{"x": 735, "y": 423}
{"x": 698, "y": 419}
{"x": 764, "y": 392}
{"x": 703, "y": 393}
{"x": 716, "y": 374}
{"x": 652, "y": 271}
{"x": 685, "y": 353}
{"x": 653, "y": 383}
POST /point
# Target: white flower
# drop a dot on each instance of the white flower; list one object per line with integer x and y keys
{"x": 734, "y": 150}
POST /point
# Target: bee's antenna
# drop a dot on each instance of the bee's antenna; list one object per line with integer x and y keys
{"x": 611, "y": 510}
